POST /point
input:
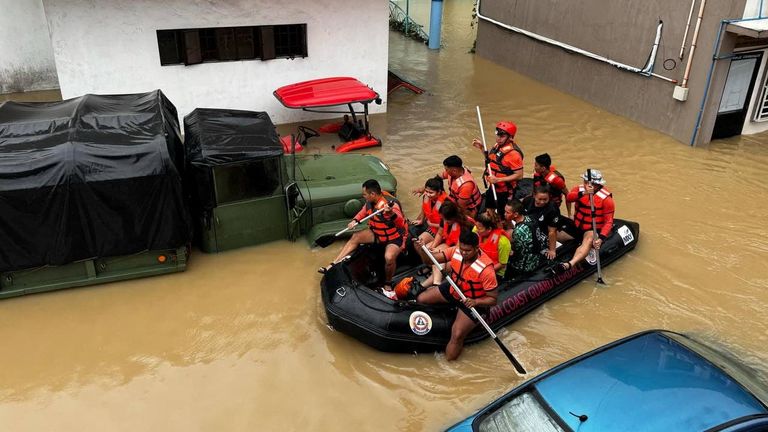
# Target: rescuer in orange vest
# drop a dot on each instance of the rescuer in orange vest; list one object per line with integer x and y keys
{"x": 387, "y": 228}
{"x": 545, "y": 173}
{"x": 581, "y": 226}
{"x": 472, "y": 270}
{"x": 505, "y": 160}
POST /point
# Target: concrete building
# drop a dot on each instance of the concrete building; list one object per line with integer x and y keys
{"x": 705, "y": 79}
{"x": 216, "y": 53}
{"x": 26, "y": 57}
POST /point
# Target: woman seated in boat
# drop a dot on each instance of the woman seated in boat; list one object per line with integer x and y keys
{"x": 454, "y": 221}
{"x": 525, "y": 257}
{"x": 426, "y": 225}
{"x": 472, "y": 270}
{"x": 494, "y": 241}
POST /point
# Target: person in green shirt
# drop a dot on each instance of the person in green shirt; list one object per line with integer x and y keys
{"x": 525, "y": 241}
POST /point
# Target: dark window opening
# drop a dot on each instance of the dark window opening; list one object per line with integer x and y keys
{"x": 291, "y": 40}
{"x": 255, "y": 179}
{"x": 169, "y": 45}
{"x": 193, "y": 46}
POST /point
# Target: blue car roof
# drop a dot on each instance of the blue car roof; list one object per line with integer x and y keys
{"x": 648, "y": 383}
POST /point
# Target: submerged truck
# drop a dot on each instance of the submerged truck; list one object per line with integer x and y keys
{"x": 90, "y": 192}
{"x": 99, "y": 189}
{"x": 245, "y": 190}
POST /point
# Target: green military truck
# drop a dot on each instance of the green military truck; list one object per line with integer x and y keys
{"x": 246, "y": 190}
{"x": 90, "y": 192}
{"x": 99, "y": 189}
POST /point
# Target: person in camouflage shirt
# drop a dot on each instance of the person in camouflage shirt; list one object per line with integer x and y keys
{"x": 526, "y": 241}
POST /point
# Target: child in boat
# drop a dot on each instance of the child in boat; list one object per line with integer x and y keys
{"x": 494, "y": 241}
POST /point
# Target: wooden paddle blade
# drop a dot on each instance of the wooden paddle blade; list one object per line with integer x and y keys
{"x": 325, "y": 241}
{"x": 518, "y": 367}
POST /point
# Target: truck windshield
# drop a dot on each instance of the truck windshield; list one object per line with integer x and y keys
{"x": 524, "y": 413}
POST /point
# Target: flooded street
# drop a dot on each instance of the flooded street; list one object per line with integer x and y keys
{"x": 239, "y": 341}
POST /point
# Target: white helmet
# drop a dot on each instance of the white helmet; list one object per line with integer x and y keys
{"x": 593, "y": 176}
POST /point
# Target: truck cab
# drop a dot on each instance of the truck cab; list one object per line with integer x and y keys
{"x": 244, "y": 190}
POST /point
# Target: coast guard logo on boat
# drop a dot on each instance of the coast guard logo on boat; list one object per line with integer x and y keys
{"x": 626, "y": 235}
{"x": 591, "y": 257}
{"x": 420, "y": 323}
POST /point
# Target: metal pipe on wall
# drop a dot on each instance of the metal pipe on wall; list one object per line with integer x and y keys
{"x": 687, "y": 27}
{"x": 646, "y": 71}
{"x": 435, "y": 21}
{"x": 687, "y": 73}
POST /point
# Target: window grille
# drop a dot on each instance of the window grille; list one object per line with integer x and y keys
{"x": 761, "y": 111}
{"x": 193, "y": 46}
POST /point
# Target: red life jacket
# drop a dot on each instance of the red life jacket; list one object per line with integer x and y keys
{"x": 431, "y": 210}
{"x": 498, "y": 169}
{"x": 583, "y": 217}
{"x": 474, "y": 199}
{"x": 467, "y": 276}
{"x": 556, "y": 183}
{"x": 384, "y": 228}
{"x": 452, "y": 231}
{"x": 490, "y": 244}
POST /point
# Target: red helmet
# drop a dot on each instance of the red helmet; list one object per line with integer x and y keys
{"x": 508, "y": 127}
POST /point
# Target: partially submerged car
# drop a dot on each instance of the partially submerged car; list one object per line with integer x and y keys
{"x": 651, "y": 381}
{"x": 245, "y": 189}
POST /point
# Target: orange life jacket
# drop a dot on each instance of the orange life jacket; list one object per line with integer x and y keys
{"x": 384, "y": 228}
{"x": 452, "y": 231}
{"x": 431, "y": 211}
{"x": 498, "y": 169}
{"x": 583, "y": 217}
{"x": 490, "y": 244}
{"x": 467, "y": 276}
{"x": 556, "y": 183}
{"x": 475, "y": 199}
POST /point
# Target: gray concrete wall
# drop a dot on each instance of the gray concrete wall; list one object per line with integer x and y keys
{"x": 623, "y": 31}
{"x": 26, "y": 55}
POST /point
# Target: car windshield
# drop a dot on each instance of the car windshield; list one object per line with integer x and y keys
{"x": 522, "y": 414}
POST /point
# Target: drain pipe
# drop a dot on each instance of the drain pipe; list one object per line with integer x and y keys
{"x": 687, "y": 27}
{"x": 647, "y": 71}
{"x": 435, "y": 21}
{"x": 687, "y": 73}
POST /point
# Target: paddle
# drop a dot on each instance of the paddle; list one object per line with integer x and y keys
{"x": 518, "y": 367}
{"x": 327, "y": 240}
{"x": 485, "y": 149}
{"x": 594, "y": 229}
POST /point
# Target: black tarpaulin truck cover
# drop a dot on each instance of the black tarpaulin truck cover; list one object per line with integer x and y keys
{"x": 89, "y": 177}
{"x": 218, "y": 137}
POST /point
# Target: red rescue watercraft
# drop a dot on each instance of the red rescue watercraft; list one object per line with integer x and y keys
{"x": 321, "y": 94}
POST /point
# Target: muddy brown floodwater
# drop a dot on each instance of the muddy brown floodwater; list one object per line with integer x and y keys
{"x": 239, "y": 341}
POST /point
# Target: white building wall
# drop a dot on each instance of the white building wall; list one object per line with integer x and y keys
{"x": 110, "y": 46}
{"x": 26, "y": 56}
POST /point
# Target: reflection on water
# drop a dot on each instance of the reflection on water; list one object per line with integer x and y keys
{"x": 240, "y": 342}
